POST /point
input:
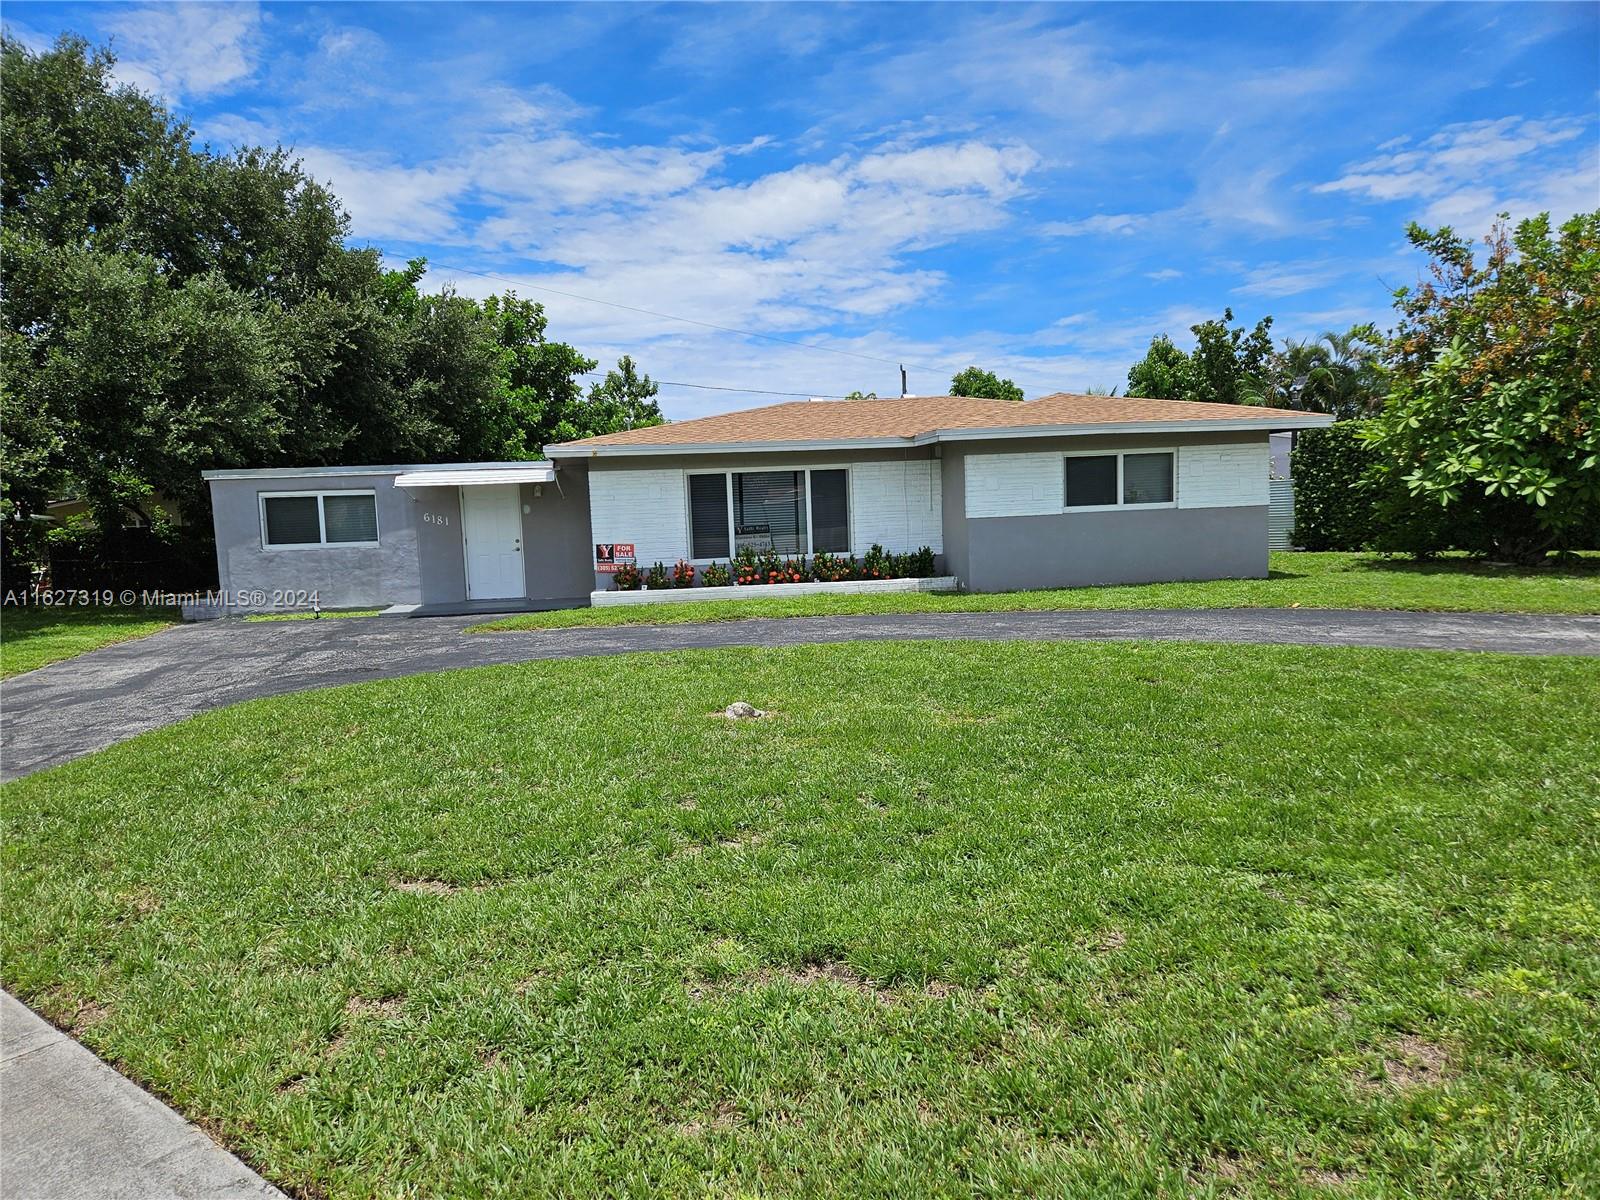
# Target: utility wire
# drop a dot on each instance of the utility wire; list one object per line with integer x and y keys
{"x": 771, "y": 337}
{"x": 712, "y": 387}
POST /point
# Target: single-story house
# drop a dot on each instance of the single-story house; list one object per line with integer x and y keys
{"x": 1061, "y": 491}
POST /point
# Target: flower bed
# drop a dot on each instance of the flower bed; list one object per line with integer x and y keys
{"x": 936, "y": 583}
{"x": 763, "y": 568}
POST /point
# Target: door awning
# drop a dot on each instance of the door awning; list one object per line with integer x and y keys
{"x": 534, "y": 472}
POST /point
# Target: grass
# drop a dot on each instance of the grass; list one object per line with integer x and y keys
{"x": 957, "y": 919}
{"x": 1298, "y": 579}
{"x": 311, "y": 616}
{"x": 33, "y": 637}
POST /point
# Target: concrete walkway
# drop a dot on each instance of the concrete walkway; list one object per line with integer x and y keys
{"x": 70, "y": 708}
{"x": 71, "y": 1128}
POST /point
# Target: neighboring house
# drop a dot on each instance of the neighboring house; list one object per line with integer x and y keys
{"x": 1060, "y": 491}
{"x": 60, "y": 512}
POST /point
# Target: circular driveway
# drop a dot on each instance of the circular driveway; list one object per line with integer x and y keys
{"x": 71, "y": 708}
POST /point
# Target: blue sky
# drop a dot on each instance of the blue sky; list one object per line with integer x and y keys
{"x": 1034, "y": 189}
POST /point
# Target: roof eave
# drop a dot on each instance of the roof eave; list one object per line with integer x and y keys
{"x": 632, "y": 450}
{"x": 928, "y": 437}
{"x": 1221, "y": 425}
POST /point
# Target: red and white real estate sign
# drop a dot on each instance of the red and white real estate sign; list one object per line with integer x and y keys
{"x": 608, "y": 556}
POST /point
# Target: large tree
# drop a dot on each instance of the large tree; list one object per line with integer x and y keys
{"x": 168, "y": 309}
{"x": 1226, "y": 365}
{"x": 1493, "y": 416}
{"x": 976, "y": 382}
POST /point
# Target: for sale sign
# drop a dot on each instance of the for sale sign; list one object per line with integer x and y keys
{"x": 608, "y": 556}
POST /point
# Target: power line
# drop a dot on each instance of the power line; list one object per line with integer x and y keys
{"x": 712, "y": 387}
{"x": 771, "y": 337}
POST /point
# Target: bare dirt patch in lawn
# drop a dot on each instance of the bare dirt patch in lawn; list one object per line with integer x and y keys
{"x": 1411, "y": 1062}
{"x": 386, "y": 1008}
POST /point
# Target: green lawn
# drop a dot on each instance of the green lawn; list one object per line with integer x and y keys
{"x": 32, "y": 637}
{"x": 1298, "y": 580}
{"x": 957, "y": 919}
{"x": 310, "y": 616}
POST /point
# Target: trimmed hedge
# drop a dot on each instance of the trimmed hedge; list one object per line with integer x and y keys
{"x": 1334, "y": 496}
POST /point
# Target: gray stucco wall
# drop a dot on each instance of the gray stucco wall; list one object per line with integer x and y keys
{"x": 341, "y": 576}
{"x": 558, "y": 556}
{"x": 419, "y": 557}
{"x": 953, "y": 506}
{"x": 1082, "y": 549}
{"x": 441, "y": 561}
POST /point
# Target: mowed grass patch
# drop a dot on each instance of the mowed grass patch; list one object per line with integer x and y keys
{"x": 34, "y": 637}
{"x": 1298, "y": 580}
{"x": 955, "y": 919}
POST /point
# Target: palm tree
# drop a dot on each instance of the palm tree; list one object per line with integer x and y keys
{"x": 1337, "y": 373}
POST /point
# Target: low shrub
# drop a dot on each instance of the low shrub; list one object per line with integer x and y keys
{"x": 715, "y": 575}
{"x": 682, "y": 574}
{"x": 746, "y": 566}
{"x": 921, "y": 564}
{"x": 831, "y": 568}
{"x": 626, "y": 578}
{"x": 877, "y": 563}
{"x": 656, "y": 578}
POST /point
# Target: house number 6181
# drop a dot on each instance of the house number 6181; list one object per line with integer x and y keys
{"x": 435, "y": 519}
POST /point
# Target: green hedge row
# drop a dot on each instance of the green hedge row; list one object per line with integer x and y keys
{"x": 1341, "y": 502}
{"x": 1334, "y": 493}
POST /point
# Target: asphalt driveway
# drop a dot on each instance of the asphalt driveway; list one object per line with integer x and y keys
{"x": 71, "y": 708}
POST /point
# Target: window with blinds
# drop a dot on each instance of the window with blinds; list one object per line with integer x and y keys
{"x": 769, "y": 511}
{"x": 301, "y": 519}
{"x": 830, "y": 511}
{"x": 787, "y": 512}
{"x": 1147, "y": 478}
{"x": 708, "y": 516}
{"x": 1120, "y": 480}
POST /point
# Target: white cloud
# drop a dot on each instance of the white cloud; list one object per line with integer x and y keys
{"x": 1164, "y": 274}
{"x": 1099, "y": 224}
{"x": 1468, "y": 172}
{"x": 386, "y": 200}
{"x": 1278, "y": 279}
{"x": 183, "y": 51}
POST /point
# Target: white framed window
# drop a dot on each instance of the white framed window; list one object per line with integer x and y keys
{"x": 315, "y": 520}
{"x": 800, "y": 510}
{"x": 1099, "y": 480}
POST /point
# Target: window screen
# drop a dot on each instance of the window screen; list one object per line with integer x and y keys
{"x": 769, "y": 511}
{"x": 292, "y": 521}
{"x": 1147, "y": 478}
{"x": 830, "y": 511}
{"x": 1091, "y": 480}
{"x": 350, "y": 518}
{"x": 708, "y": 516}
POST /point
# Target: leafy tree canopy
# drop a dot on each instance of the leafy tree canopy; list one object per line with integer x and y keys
{"x": 1226, "y": 365}
{"x": 975, "y": 382}
{"x": 1494, "y": 400}
{"x": 169, "y": 309}
{"x": 1338, "y": 373}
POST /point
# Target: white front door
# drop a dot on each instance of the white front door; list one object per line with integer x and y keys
{"x": 491, "y": 526}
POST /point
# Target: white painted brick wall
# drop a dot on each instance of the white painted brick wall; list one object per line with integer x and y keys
{"x": 1027, "y": 485}
{"x": 897, "y": 504}
{"x": 1014, "y": 485}
{"x": 645, "y": 507}
{"x": 1223, "y": 476}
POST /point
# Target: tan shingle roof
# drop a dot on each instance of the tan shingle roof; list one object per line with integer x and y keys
{"x": 913, "y": 416}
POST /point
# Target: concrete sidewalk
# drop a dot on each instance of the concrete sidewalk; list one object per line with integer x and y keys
{"x": 71, "y": 1128}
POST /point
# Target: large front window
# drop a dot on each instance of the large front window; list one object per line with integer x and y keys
{"x": 788, "y": 512}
